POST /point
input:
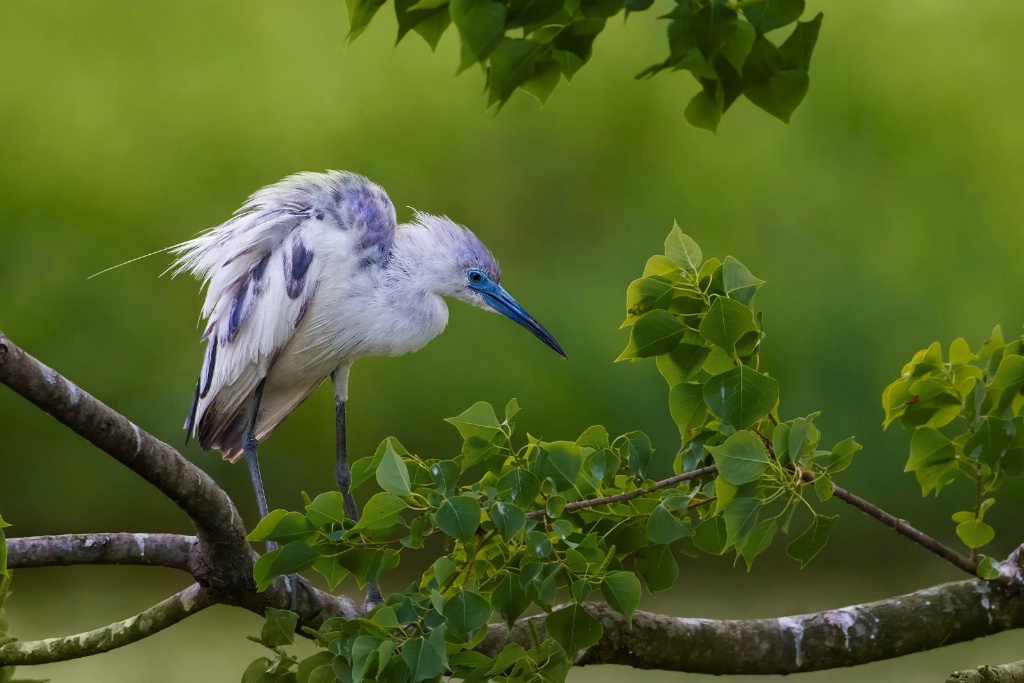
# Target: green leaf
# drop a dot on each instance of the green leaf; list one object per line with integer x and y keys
{"x": 647, "y": 294}
{"x": 989, "y": 568}
{"x": 459, "y": 517}
{"x": 522, "y": 484}
{"x": 364, "y": 468}
{"x": 322, "y": 660}
{"x": 654, "y": 333}
{"x": 563, "y": 463}
{"x": 478, "y": 420}
{"x": 682, "y": 363}
{"x": 975, "y": 533}
{"x": 842, "y": 456}
{"x": 279, "y": 628}
{"x": 511, "y": 410}
{"x": 511, "y": 654}
{"x": 422, "y": 658}
{"x": 574, "y": 629}
{"x": 594, "y": 437}
{"x": 738, "y": 282}
{"x": 741, "y": 396}
{"x": 658, "y": 567}
{"x": 509, "y": 519}
{"x": 682, "y": 250}
{"x": 481, "y": 24}
{"x": 768, "y": 15}
{"x": 327, "y": 510}
{"x": 393, "y": 474}
{"x": 622, "y": 590}
{"x": 381, "y": 512}
{"x": 686, "y": 404}
{"x": 284, "y": 527}
{"x": 663, "y": 527}
{"x": 932, "y": 457}
{"x": 705, "y": 109}
{"x": 757, "y": 541}
{"x": 328, "y": 566}
{"x": 509, "y": 598}
{"x": 741, "y": 458}
{"x": 781, "y": 94}
{"x": 289, "y": 559}
{"x": 810, "y": 543}
{"x": 796, "y": 51}
{"x": 740, "y": 518}
{"x": 359, "y": 14}
{"x": 367, "y": 564}
{"x": 725, "y": 322}
{"x": 467, "y": 611}
{"x": 639, "y": 453}
{"x": 711, "y": 536}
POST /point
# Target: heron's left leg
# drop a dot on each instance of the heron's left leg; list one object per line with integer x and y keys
{"x": 342, "y": 472}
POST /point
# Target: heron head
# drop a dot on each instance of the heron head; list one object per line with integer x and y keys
{"x": 472, "y": 275}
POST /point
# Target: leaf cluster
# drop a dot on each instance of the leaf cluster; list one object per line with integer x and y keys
{"x": 965, "y": 412}
{"x": 536, "y": 526}
{"x": 533, "y": 44}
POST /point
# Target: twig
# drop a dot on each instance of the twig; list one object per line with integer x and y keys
{"x": 630, "y": 495}
{"x": 901, "y": 527}
{"x": 155, "y": 619}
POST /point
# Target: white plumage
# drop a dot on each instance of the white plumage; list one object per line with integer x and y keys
{"x": 311, "y": 274}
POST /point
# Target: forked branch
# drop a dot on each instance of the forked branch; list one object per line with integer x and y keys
{"x": 221, "y": 561}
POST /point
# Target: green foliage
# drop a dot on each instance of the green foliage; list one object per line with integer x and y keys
{"x": 3, "y": 548}
{"x": 546, "y": 525}
{"x": 533, "y": 44}
{"x": 966, "y": 414}
{"x": 7, "y": 672}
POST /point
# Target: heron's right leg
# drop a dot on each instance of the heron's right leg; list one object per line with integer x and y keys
{"x": 250, "y": 446}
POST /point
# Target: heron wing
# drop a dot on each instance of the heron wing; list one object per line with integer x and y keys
{"x": 262, "y": 269}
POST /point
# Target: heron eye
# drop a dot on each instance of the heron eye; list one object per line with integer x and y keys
{"x": 476, "y": 277}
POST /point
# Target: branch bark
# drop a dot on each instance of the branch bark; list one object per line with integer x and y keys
{"x": 155, "y": 619}
{"x": 1007, "y": 673}
{"x": 159, "y": 550}
{"x": 925, "y": 620}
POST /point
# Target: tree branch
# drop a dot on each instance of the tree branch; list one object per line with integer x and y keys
{"x": 207, "y": 505}
{"x": 990, "y": 674}
{"x": 925, "y": 620}
{"x": 155, "y": 619}
{"x": 159, "y": 550}
{"x": 902, "y": 528}
{"x": 630, "y": 495}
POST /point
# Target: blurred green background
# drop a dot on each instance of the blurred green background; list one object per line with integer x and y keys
{"x": 886, "y": 216}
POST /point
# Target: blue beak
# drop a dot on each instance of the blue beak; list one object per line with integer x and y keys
{"x": 501, "y": 301}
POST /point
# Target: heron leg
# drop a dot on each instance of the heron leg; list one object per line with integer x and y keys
{"x": 342, "y": 472}
{"x": 250, "y": 447}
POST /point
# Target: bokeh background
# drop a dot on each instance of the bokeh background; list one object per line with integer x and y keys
{"x": 886, "y": 216}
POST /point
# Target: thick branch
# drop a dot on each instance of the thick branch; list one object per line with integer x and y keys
{"x": 925, "y": 620}
{"x": 160, "y": 550}
{"x": 153, "y": 620}
{"x": 630, "y": 495}
{"x": 191, "y": 489}
{"x": 990, "y": 674}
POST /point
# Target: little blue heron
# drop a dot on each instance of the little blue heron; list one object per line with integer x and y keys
{"x": 309, "y": 275}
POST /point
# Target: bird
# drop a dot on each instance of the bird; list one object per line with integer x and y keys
{"x": 309, "y": 275}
